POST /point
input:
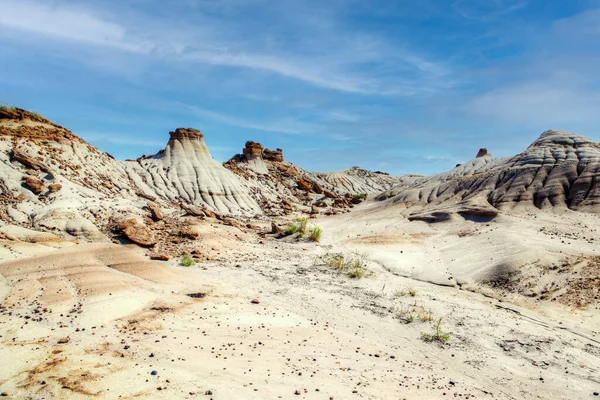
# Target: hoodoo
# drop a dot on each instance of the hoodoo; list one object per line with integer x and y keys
{"x": 253, "y": 155}
{"x": 185, "y": 171}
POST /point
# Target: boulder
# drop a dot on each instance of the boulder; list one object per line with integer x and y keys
{"x": 305, "y": 184}
{"x": 139, "y": 234}
{"x": 155, "y": 211}
{"x": 329, "y": 194}
{"x": 55, "y": 187}
{"x": 34, "y": 184}
{"x": 28, "y": 161}
{"x": 275, "y": 229}
{"x": 317, "y": 188}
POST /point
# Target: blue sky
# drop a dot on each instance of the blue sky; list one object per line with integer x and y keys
{"x": 402, "y": 86}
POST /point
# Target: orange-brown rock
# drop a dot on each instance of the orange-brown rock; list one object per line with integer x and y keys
{"x": 34, "y": 184}
{"x": 155, "y": 211}
{"x": 189, "y": 133}
{"x": 55, "y": 187}
{"x": 141, "y": 235}
{"x": 232, "y": 222}
{"x": 317, "y": 188}
{"x": 287, "y": 170}
{"x": 253, "y": 149}
{"x": 28, "y": 161}
{"x": 273, "y": 155}
{"x": 193, "y": 210}
{"x": 209, "y": 213}
{"x": 329, "y": 194}
{"x": 304, "y": 184}
{"x": 160, "y": 257}
{"x": 188, "y": 233}
{"x": 275, "y": 229}
{"x": 126, "y": 224}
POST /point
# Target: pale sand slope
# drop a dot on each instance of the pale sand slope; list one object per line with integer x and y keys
{"x": 313, "y": 329}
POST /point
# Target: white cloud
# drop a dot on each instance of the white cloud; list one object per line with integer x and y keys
{"x": 331, "y": 63}
{"x": 287, "y": 126}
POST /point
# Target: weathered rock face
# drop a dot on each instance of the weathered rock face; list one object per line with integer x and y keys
{"x": 253, "y": 149}
{"x": 57, "y": 177}
{"x": 273, "y": 155}
{"x": 186, "y": 133}
{"x": 253, "y": 155}
{"x": 559, "y": 170}
{"x": 185, "y": 171}
{"x": 483, "y": 152}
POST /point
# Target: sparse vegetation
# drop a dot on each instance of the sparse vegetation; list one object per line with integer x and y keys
{"x": 5, "y": 106}
{"x": 415, "y": 311}
{"x": 354, "y": 264}
{"x": 315, "y": 233}
{"x": 187, "y": 261}
{"x": 438, "y": 334}
{"x": 405, "y": 292}
{"x": 361, "y": 196}
{"x": 300, "y": 228}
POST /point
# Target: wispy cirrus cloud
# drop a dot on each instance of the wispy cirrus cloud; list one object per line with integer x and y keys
{"x": 332, "y": 64}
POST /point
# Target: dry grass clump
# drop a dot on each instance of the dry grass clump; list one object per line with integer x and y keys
{"x": 300, "y": 228}
{"x": 405, "y": 292}
{"x": 416, "y": 311}
{"x": 354, "y": 264}
{"x": 315, "y": 233}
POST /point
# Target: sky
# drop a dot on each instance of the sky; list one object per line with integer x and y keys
{"x": 404, "y": 86}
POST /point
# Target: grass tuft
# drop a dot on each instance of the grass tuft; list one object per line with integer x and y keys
{"x": 354, "y": 265}
{"x": 315, "y": 233}
{"x": 438, "y": 334}
{"x": 187, "y": 261}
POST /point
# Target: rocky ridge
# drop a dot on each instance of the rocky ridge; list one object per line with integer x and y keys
{"x": 556, "y": 172}
{"x": 280, "y": 187}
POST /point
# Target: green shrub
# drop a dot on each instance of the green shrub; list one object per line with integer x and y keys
{"x": 291, "y": 229}
{"x": 438, "y": 335}
{"x": 187, "y": 261}
{"x": 361, "y": 196}
{"x": 302, "y": 222}
{"x": 315, "y": 233}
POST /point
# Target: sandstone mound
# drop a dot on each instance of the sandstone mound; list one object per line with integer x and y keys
{"x": 185, "y": 171}
{"x": 558, "y": 171}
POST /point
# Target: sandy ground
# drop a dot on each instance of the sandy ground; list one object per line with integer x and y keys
{"x": 132, "y": 330}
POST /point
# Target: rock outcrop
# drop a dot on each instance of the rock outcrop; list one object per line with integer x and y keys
{"x": 483, "y": 152}
{"x": 558, "y": 171}
{"x": 253, "y": 155}
{"x": 279, "y": 187}
{"x": 273, "y": 155}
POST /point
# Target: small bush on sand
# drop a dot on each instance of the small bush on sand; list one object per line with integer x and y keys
{"x": 187, "y": 261}
{"x": 361, "y": 196}
{"x": 438, "y": 334}
{"x": 315, "y": 233}
{"x": 354, "y": 264}
{"x": 405, "y": 292}
{"x": 302, "y": 223}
